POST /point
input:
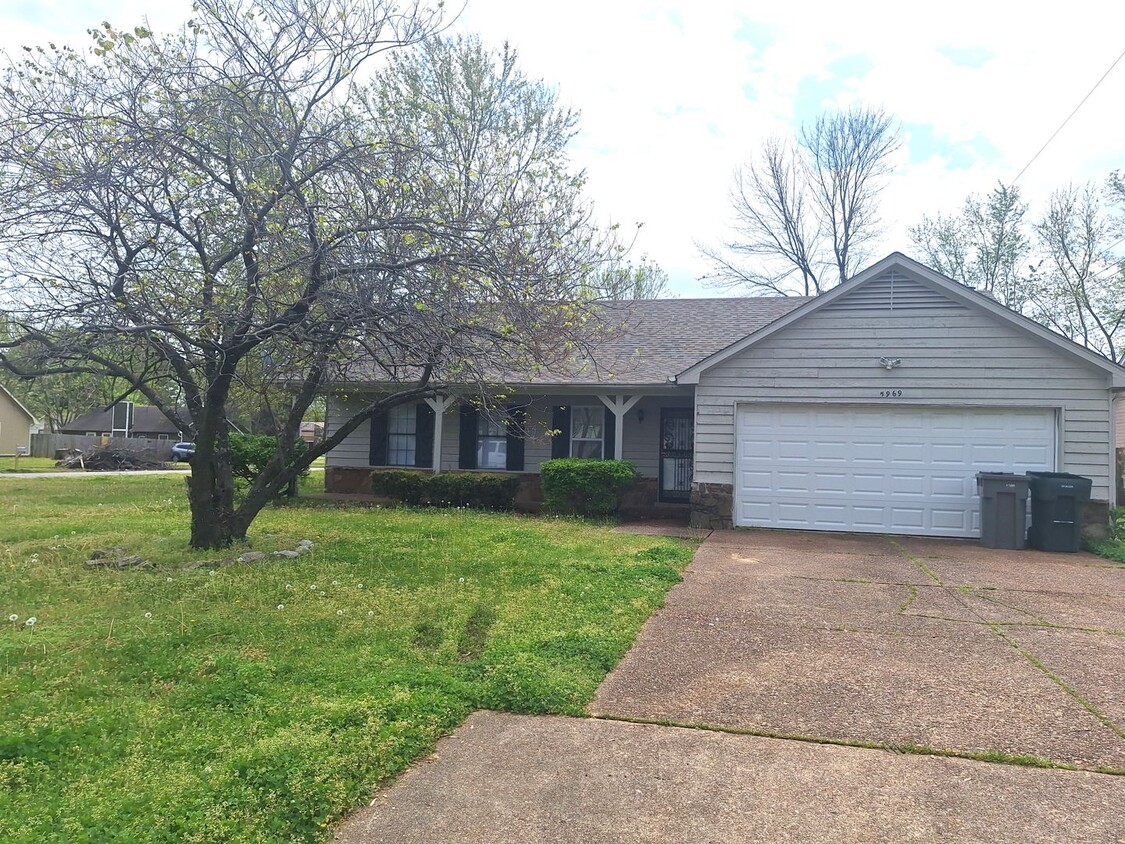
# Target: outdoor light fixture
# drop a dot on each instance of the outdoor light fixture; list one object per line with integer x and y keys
{"x": 640, "y": 416}
{"x": 890, "y": 363}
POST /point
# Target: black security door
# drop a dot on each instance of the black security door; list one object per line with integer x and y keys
{"x": 677, "y": 434}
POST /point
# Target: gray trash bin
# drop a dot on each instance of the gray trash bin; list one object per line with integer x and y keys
{"x": 1003, "y": 509}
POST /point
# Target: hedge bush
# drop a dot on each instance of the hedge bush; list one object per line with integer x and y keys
{"x": 583, "y": 486}
{"x": 480, "y": 490}
{"x": 249, "y": 454}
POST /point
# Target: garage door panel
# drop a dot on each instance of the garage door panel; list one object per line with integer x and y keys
{"x": 880, "y": 469}
{"x": 948, "y": 486}
{"x": 907, "y": 519}
{"x": 907, "y": 485}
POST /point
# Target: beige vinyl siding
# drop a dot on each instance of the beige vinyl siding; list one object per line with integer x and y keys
{"x": 642, "y": 438}
{"x": 951, "y": 355}
{"x": 15, "y": 427}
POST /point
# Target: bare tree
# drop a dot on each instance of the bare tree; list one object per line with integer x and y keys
{"x": 806, "y": 210}
{"x": 183, "y": 213}
{"x": 985, "y": 247}
{"x": 1078, "y": 286}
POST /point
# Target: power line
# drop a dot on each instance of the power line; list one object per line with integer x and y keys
{"x": 1062, "y": 125}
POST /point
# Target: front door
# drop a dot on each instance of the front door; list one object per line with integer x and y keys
{"x": 677, "y": 435}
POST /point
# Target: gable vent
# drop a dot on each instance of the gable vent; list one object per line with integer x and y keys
{"x": 893, "y": 291}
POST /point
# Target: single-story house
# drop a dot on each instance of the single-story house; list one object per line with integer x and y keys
{"x": 870, "y": 408}
{"x": 123, "y": 419}
{"x": 16, "y": 422}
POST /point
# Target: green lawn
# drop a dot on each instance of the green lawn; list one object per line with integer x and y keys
{"x": 260, "y": 702}
{"x": 28, "y": 464}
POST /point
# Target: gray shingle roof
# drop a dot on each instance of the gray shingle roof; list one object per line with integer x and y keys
{"x": 639, "y": 342}
{"x": 659, "y": 338}
{"x": 146, "y": 420}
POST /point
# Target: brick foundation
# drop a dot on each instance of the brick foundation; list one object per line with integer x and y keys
{"x": 347, "y": 480}
{"x": 712, "y": 506}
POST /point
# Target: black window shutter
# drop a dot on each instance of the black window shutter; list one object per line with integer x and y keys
{"x": 517, "y": 422}
{"x": 424, "y": 433}
{"x": 377, "y": 454}
{"x": 560, "y": 422}
{"x": 467, "y": 450}
{"x": 609, "y": 440}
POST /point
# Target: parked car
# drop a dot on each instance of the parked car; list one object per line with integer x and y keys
{"x": 182, "y": 451}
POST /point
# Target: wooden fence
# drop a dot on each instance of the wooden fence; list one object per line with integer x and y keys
{"x": 48, "y": 445}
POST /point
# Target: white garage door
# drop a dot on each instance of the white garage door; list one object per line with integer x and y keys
{"x": 907, "y": 470}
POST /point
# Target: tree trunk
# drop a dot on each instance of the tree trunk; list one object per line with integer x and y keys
{"x": 211, "y": 495}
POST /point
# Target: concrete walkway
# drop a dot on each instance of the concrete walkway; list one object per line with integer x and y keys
{"x": 507, "y": 779}
{"x": 817, "y": 639}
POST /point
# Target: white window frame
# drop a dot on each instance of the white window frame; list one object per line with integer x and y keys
{"x": 402, "y": 435}
{"x": 487, "y": 426}
{"x": 600, "y": 440}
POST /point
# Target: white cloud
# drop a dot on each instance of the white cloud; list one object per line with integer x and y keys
{"x": 675, "y": 95}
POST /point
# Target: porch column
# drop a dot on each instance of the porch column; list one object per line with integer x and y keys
{"x": 620, "y": 405}
{"x": 440, "y": 404}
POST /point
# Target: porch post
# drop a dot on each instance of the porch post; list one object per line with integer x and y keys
{"x": 620, "y": 405}
{"x": 440, "y": 404}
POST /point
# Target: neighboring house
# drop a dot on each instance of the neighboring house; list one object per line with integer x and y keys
{"x": 16, "y": 422}
{"x": 124, "y": 419}
{"x": 312, "y": 432}
{"x": 870, "y": 408}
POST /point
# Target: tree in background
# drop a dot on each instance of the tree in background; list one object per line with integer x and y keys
{"x": 985, "y": 247}
{"x": 641, "y": 280}
{"x": 183, "y": 212}
{"x": 1063, "y": 269}
{"x": 806, "y": 210}
{"x": 59, "y": 400}
{"x": 1078, "y": 283}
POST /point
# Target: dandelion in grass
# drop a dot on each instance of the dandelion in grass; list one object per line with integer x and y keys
{"x": 359, "y": 585}
{"x": 30, "y": 622}
{"x": 313, "y": 587}
{"x": 212, "y": 572}
{"x": 281, "y": 606}
{"x": 148, "y": 615}
{"x": 370, "y": 613}
{"x": 167, "y": 580}
{"x": 13, "y": 617}
{"x": 335, "y": 583}
{"x": 460, "y": 580}
{"x": 288, "y": 587}
{"x": 339, "y": 612}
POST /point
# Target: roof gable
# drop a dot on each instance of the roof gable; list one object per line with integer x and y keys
{"x": 17, "y": 403}
{"x": 899, "y": 283}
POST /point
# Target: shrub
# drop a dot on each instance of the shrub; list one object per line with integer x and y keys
{"x": 400, "y": 484}
{"x": 480, "y": 490}
{"x": 249, "y": 454}
{"x": 586, "y": 487}
{"x": 484, "y": 490}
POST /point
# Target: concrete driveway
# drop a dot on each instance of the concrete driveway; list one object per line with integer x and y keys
{"x": 942, "y": 645}
{"x": 786, "y": 676}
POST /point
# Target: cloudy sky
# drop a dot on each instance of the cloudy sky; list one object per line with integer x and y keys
{"x": 674, "y": 95}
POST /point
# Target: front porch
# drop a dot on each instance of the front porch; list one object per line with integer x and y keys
{"x": 652, "y": 429}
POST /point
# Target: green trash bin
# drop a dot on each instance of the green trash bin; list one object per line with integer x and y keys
{"x": 1057, "y": 502}
{"x": 1003, "y": 509}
